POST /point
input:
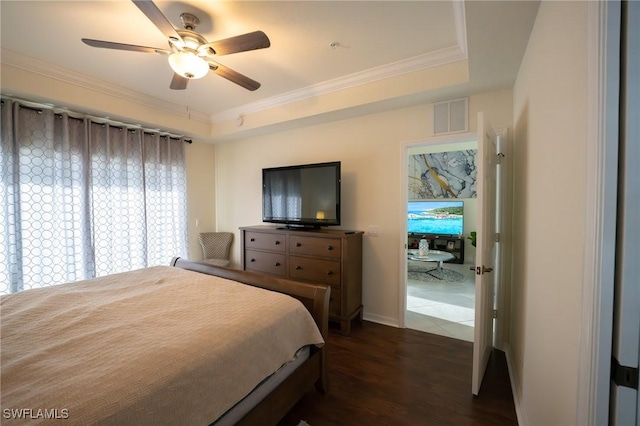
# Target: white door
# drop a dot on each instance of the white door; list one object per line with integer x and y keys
{"x": 625, "y": 398}
{"x": 485, "y": 253}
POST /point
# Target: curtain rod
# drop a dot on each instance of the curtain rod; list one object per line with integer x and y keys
{"x": 39, "y": 108}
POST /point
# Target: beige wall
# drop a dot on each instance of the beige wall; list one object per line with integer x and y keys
{"x": 550, "y": 138}
{"x": 199, "y": 159}
{"x": 370, "y": 149}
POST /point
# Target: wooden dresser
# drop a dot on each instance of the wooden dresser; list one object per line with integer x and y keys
{"x": 325, "y": 256}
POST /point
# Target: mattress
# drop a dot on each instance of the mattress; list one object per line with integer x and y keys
{"x": 160, "y": 345}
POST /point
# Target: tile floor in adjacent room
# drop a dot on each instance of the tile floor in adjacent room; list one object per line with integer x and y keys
{"x": 446, "y": 309}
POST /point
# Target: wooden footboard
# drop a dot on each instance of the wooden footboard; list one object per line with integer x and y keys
{"x": 313, "y": 372}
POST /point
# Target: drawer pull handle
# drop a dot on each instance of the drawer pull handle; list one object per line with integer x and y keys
{"x": 252, "y": 260}
{"x": 252, "y": 239}
{"x": 276, "y": 264}
{"x": 329, "y": 248}
{"x": 298, "y": 244}
{"x": 298, "y": 267}
{"x": 329, "y": 272}
{"x": 277, "y": 242}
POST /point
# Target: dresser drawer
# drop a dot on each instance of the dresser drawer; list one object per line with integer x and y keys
{"x": 268, "y": 263}
{"x": 317, "y": 270}
{"x": 327, "y": 256}
{"x": 265, "y": 241}
{"x": 324, "y": 247}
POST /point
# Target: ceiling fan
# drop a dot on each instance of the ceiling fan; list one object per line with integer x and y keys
{"x": 191, "y": 55}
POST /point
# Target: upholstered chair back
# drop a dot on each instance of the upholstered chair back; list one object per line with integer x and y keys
{"x": 216, "y": 247}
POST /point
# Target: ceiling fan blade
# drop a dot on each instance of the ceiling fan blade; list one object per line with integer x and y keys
{"x": 241, "y": 43}
{"x": 123, "y": 46}
{"x": 178, "y": 82}
{"x": 234, "y": 76}
{"x": 157, "y": 17}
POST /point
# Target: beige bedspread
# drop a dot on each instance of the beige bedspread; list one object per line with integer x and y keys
{"x": 159, "y": 345}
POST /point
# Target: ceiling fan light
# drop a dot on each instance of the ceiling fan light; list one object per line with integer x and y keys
{"x": 188, "y": 64}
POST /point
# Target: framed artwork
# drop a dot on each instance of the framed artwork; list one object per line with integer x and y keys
{"x": 437, "y": 175}
{"x": 451, "y": 245}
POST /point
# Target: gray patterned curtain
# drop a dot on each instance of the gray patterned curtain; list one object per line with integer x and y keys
{"x": 80, "y": 199}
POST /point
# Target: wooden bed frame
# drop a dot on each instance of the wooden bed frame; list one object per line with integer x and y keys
{"x": 313, "y": 372}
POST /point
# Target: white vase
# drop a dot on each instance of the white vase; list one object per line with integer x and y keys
{"x": 423, "y": 247}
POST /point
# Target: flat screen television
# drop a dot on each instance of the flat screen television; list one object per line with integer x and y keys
{"x": 302, "y": 196}
{"x": 440, "y": 218}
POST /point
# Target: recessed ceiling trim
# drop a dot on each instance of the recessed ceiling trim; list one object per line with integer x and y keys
{"x": 416, "y": 63}
{"x": 46, "y": 69}
{"x": 441, "y": 57}
{"x": 460, "y": 22}
{"x": 432, "y": 59}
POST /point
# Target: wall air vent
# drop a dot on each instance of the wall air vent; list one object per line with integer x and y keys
{"x": 451, "y": 116}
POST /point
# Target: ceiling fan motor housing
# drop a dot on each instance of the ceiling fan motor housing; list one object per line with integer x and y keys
{"x": 192, "y": 41}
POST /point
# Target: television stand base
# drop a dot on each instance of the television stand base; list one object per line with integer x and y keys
{"x": 300, "y": 227}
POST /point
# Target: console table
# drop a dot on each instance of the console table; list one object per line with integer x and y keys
{"x": 453, "y": 245}
{"x": 325, "y": 256}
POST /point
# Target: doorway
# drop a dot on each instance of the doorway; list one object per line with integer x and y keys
{"x": 440, "y": 300}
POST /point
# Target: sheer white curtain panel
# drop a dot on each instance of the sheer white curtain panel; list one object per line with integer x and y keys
{"x": 81, "y": 199}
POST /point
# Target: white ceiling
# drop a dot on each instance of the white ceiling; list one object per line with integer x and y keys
{"x": 375, "y": 38}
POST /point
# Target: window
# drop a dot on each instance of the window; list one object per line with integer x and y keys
{"x": 82, "y": 199}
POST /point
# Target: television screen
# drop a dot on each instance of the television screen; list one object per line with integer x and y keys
{"x": 436, "y": 217}
{"x": 303, "y": 195}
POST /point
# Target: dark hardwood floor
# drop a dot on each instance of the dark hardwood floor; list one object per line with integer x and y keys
{"x": 389, "y": 376}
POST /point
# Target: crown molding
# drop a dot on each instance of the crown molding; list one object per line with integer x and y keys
{"x": 444, "y": 56}
{"x": 36, "y": 66}
{"x": 416, "y": 63}
{"x": 460, "y": 22}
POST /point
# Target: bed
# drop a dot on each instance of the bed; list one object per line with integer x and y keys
{"x": 188, "y": 343}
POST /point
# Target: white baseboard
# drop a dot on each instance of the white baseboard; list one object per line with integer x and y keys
{"x": 393, "y": 322}
{"x": 515, "y": 388}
